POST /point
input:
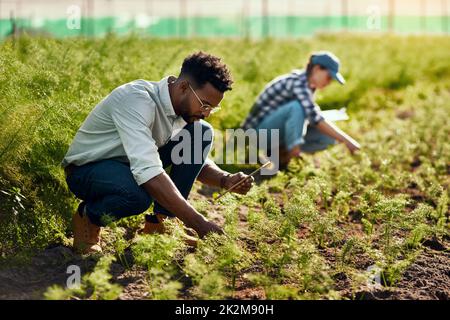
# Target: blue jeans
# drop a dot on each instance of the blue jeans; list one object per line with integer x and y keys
{"x": 289, "y": 119}
{"x": 110, "y": 192}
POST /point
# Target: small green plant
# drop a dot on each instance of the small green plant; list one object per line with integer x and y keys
{"x": 208, "y": 284}
{"x": 159, "y": 253}
{"x": 347, "y": 250}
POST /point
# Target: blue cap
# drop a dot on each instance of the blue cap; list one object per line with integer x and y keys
{"x": 330, "y": 62}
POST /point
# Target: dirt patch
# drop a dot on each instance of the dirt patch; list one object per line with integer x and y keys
{"x": 134, "y": 283}
{"x": 49, "y": 267}
{"x": 247, "y": 292}
{"x": 405, "y": 114}
{"x": 428, "y": 278}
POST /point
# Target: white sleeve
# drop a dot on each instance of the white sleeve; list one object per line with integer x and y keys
{"x": 209, "y": 161}
{"x": 132, "y": 119}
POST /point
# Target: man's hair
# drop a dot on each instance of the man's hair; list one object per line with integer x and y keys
{"x": 203, "y": 67}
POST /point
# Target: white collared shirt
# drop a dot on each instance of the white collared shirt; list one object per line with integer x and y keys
{"x": 129, "y": 125}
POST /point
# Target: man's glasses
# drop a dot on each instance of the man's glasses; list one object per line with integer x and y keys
{"x": 204, "y": 106}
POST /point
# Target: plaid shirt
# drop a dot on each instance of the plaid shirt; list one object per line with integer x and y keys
{"x": 281, "y": 90}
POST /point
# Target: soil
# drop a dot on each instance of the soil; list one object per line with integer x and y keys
{"x": 427, "y": 278}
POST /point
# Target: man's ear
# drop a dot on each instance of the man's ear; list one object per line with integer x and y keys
{"x": 184, "y": 85}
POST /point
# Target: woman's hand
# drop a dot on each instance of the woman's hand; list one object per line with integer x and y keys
{"x": 331, "y": 130}
{"x": 352, "y": 145}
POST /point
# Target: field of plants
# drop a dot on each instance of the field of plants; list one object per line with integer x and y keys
{"x": 373, "y": 225}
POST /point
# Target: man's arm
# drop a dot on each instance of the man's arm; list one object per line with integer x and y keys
{"x": 330, "y": 129}
{"x": 162, "y": 189}
{"x": 212, "y": 175}
{"x": 132, "y": 122}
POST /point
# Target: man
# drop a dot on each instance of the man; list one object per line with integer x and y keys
{"x": 287, "y": 104}
{"x": 117, "y": 159}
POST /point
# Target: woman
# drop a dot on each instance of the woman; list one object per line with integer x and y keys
{"x": 287, "y": 103}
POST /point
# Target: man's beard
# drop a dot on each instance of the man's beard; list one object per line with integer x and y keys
{"x": 187, "y": 115}
{"x": 192, "y": 118}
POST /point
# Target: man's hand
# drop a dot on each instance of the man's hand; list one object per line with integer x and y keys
{"x": 244, "y": 187}
{"x": 162, "y": 189}
{"x": 212, "y": 175}
{"x": 208, "y": 227}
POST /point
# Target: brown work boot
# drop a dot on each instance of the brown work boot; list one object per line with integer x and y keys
{"x": 157, "y": 226}
{"x": 86, "y": 235}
